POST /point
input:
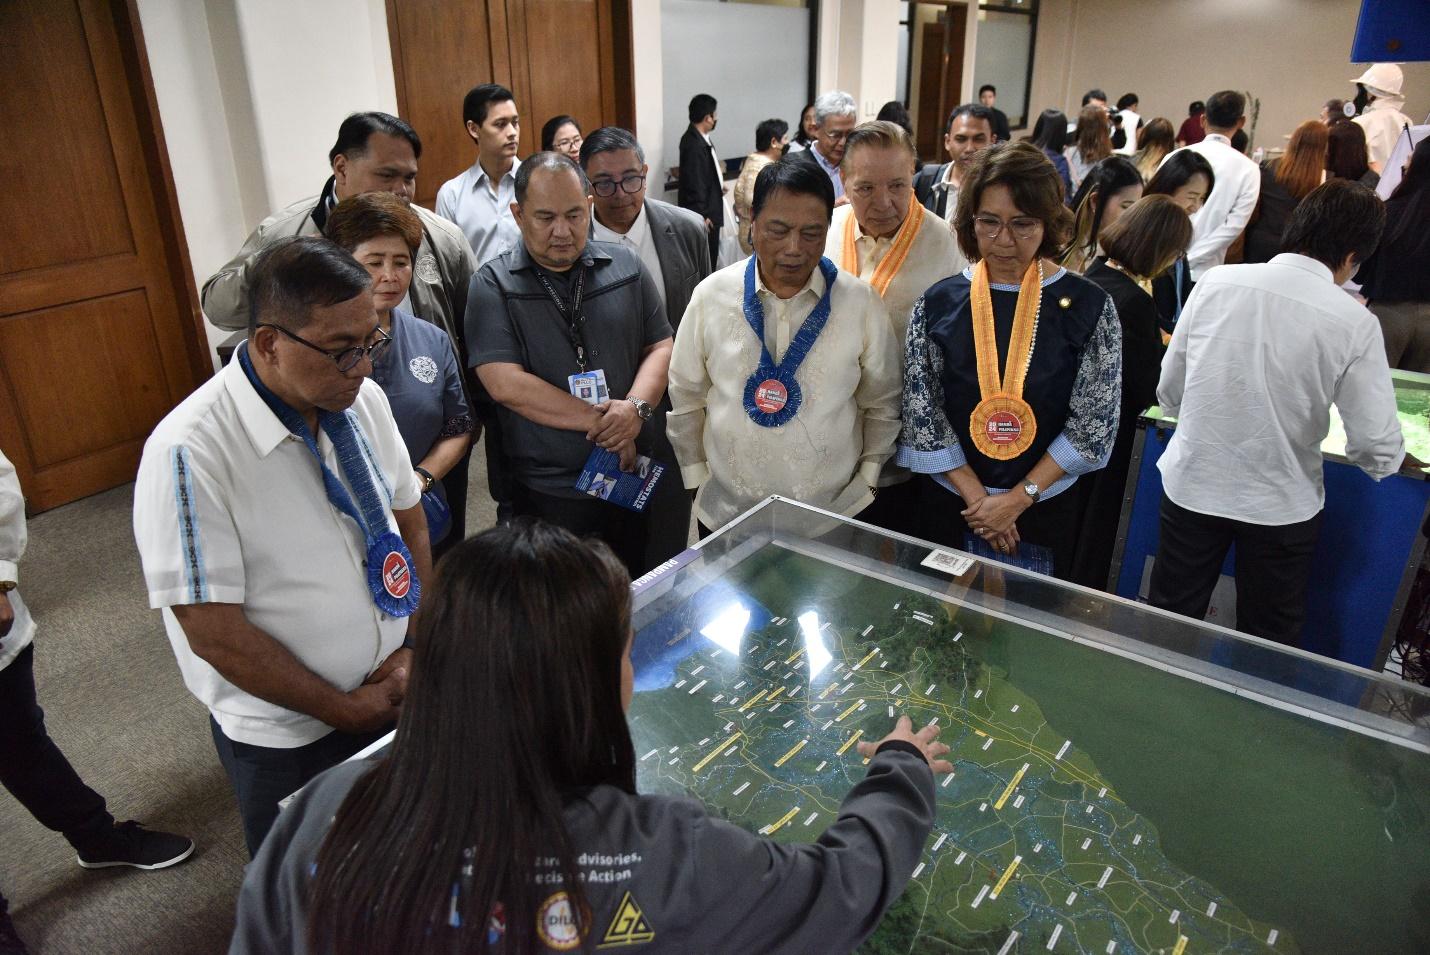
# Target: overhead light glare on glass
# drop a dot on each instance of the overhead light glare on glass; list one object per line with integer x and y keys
{"x": 727, "y": 630}
{"x": 814, "y": 650}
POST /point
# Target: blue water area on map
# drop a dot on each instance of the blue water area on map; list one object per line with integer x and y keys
{"x": 655, "y": 658}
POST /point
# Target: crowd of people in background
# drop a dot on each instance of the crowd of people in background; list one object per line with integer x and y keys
{"x": 955, "y": 347}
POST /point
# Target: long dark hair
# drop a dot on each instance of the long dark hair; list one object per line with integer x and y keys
{"x": 513, "y": 707}
{"x": 1411, "y": 198}
{"x": 1177, "y": 170}
{"x": 1051, "y": 131}
{"x": 1101, "y": 183}
{"x": 800, "y": 136}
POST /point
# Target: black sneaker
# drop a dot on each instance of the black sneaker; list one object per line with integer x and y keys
{"x": 129, "y": 843}
{"x": 10, "y": 941}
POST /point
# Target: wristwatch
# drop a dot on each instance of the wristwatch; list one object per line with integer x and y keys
{"x": 643, "y": 408}
{"x": 1033, "y": 491}
{"x": 427, "y": 479}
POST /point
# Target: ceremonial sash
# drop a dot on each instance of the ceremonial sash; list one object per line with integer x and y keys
{"x": 1003, "y": 425}
{"x": 772, "y": 395}
{"x": 889, "y": 266}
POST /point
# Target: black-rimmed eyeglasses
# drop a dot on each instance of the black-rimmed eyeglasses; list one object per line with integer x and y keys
{"x": 346, "y": 359}
{"x": 605, "y": 188}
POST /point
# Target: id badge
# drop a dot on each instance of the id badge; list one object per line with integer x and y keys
{"x": 589, "y": 386}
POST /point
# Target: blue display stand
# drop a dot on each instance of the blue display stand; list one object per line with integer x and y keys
{"x": 1371, "y": 544}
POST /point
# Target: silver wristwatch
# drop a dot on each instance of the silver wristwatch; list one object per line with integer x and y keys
{"x": 643, "y": 408}
{"x": 1033, "y": 491}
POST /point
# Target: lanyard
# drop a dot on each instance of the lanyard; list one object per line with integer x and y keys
{"x": 571, "y": 312}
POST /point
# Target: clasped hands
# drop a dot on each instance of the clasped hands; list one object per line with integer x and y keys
{"x": 993, "y": 517}
{"x": 615, "y": 429}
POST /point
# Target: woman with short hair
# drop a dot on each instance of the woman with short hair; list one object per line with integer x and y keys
{"x": 771, "y": 138}
{"x": 1092, "y": 143}
{"x": 1348, "y": 155}
{"x": 562, "y": 134}
{"x": 1107, "y": 191}
{"x": 419, "y": 371}
{"x": 1285, "y": 181}
{"x": 805, "y": 130}
{"x": 1140, "y": 246}
{"x": 513, "y": 775}
{"x": 1155, "y": 140}
{"x": 1187, "y": 178}
{"x": 1012, "y": 369}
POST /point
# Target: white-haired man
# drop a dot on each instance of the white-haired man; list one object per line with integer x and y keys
{"x": 835, "y": 115}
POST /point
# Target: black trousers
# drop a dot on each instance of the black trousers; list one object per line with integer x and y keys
{"x": 1273, "y": 568}
{"x": 32, "y": 767}
{"x": 713, "y": 234}
{"x": 263, "y": 775}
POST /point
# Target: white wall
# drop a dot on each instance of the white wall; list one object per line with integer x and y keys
{"x": 1293, "y": 55}
{"x": 650, "y": 88}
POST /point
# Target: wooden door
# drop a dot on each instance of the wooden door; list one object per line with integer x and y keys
{"x": 99, "y": 327}
{"x": 941, "y": 78}
{"x": 556, "y": 56}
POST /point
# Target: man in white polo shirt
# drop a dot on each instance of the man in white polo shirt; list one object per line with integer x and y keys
{"x": 1260, "y": 354}
{"x": 281, "y": 531}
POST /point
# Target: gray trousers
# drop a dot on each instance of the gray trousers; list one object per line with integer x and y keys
{"x": 1406, "y": 329}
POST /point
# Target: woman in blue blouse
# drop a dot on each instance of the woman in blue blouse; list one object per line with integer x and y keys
{"x": 1013, "y": 369}
{"x": 419, "y": 372}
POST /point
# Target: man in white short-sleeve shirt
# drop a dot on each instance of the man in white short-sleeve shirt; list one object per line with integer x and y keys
{"x": 285, "y": 590}
{"x": 1260, "y": 354}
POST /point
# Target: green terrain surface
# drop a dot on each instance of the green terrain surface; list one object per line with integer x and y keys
{"x": 1097, "y": 805}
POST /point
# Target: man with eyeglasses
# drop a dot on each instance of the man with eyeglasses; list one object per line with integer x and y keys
{"x": 835, "y": 116}
{"x": 281, "y": 531}
{"x": 570, "y": 338}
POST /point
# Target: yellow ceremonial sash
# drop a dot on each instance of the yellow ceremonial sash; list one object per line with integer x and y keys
{"x": 1003, "y": 425}
{"x": 889, "y": 266}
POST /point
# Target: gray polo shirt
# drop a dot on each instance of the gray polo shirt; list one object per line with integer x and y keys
{"x": 511, "y": 319}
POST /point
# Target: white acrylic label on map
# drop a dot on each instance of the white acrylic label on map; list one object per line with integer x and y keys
{"x": 947, "y": 562}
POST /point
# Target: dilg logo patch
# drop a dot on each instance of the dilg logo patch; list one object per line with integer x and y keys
{"x": 629, "y": 927}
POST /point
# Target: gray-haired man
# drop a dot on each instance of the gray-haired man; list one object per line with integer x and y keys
{"x": 835, "y": 116}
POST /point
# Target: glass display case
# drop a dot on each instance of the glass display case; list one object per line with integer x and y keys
{"x": 1125, "y": 780}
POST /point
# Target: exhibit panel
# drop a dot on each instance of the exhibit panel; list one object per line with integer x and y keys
{"x": 1125, "y": 779}
{"x": 1372, "y": 535}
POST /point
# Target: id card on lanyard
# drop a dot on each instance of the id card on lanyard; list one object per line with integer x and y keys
{"x": 588, "y": 385}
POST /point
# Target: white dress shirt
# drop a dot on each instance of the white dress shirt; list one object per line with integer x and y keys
{"x": 830, "y": 454}
{"x": 1260, "y": 354}
{"x": 1131, "y": 122}
{"x": 229, "y": 507}
{"x": 13, "y": 538}
{"x": 638, "y": 239}
{"x": 482, "y": 214}
{"x": 933, "y": 257}
{"x": 1383, "y": 123}
{"x": 1228, "y": 207}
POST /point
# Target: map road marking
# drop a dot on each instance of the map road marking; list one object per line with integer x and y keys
{"x": 1037, "y": 848}
{"x": 1006, "y": 876}
{"x": 1012, "y": 785}
{"x": 703, "y": 741}
{"x": 770, "y": 710}
{"x": 675, "y": 760}
{"x": 783, "y": 641}
{"x": 680, "y": 684}
{"x": 939, "y": 843}
{"x": 845, "y": 687}
{"x": 917, "y": 869}
{"x": 789, "y": 674}
{"x": 926, "y": 623}
{"x": 849, "y": 742}
{"x": 696, "y": 671}
{"x": 958, "y": 636}
{"x": 1181, "y": 945}
{"x": 1102, "y": 792}
{"x": 797, "y": 654}
{"x": 788, "y": 724}
{"x": 1018, "y": 803}
{"x": 1176, "y": 914}
{"x": 1111, "y": 947}
{"x": 827, "y": 723}
{"x": 867, "y": 657}
{"x": 852, "y": 708}
{"x": 934, "y": 721}
{"x": 1211, "y": 909}
{"x": 862, "y": 705}
{"x": 897, "y": 688}
{"x": 743, "y": 786}
{"x": 674, "y": 748}
{"x": 961, "y": 857}
{"x": 977, "y": 694}
{"x": 828, "y": 690}
{"x": 729, "y": 725}
{"x": 1014, "y": 709}
{"x": 649, "y": 755}
{"x": 812, "y": 816}
{"x": 768, "y": 665}
{"x": 1085, "y": 843}
{"x": 1137, "y": 839}
{"x": 986, "y": 743}
{"x": 793, "y": 749}
{"x": 891, "y": 709}
{"x": 865, "y": 633}
{"x": 1053, "y": 939}
{"x": 1072, "y": 897}
{"x": 822, "y": 763}
{"x": 883, "y": 664}
{"x": 775, "y": 827}
{"x": 1063, "y": 751}
{"x": 930, "y": 689}
{"x": 896, "y": 605}
{"x": 946, "y": 780}
{"x": 771, "y": 697}
{"x": 752, "y": 701}
{"x": 740, "y": 685}
{"x": 1271, "y": 938}
{"x": 979, "y": 899}
{"x": 983, "y": 807}
{"x": 979, "y": 732}
{"x": 1089, "y": 810}
{"x": 1012, "y": 937}
{"x": 717, "y": 697}
{"x": 720, "y": 748}
{"x": 1107, "y": 874}
{"x": 697, "y": 686}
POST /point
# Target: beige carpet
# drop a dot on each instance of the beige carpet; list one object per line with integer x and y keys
{"x": 116, "y": 705}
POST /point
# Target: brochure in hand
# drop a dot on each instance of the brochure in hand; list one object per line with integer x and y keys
{"x": 602, "y": 477}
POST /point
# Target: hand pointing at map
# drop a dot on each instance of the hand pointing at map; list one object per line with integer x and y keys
{"x": 923, "y": 739}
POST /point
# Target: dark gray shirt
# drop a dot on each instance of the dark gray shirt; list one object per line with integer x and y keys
{"x": 511, "y": 319}
{"x": 703, "y": 885}
{"x": 420, "y": 376}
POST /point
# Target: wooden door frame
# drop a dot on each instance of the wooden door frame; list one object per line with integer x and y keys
{"x": 139, "y": 84}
